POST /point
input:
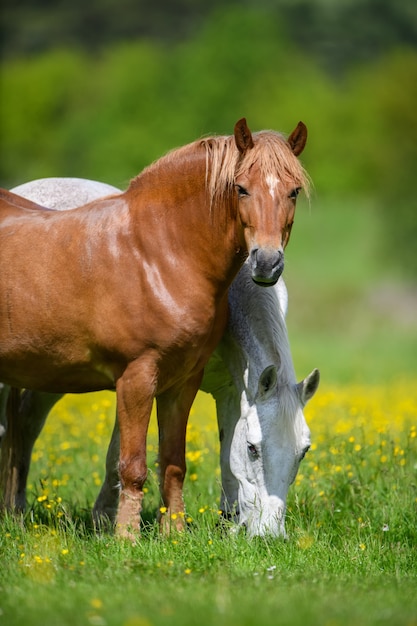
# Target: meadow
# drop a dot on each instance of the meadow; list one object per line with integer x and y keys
{"x": 351, "y": 552}
{"x": 350, "y": 556}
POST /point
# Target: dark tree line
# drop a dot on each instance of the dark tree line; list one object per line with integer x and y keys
{"x": 337, "y": 34}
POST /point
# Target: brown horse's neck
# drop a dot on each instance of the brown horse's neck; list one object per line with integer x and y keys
{"x": 170, "y": 200}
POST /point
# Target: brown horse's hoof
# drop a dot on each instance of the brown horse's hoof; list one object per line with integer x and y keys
{"x": 171, "y": 522}
{"x": 128, "y": 515}
{"x": 127, "y": 532}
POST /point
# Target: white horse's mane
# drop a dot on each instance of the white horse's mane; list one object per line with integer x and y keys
{"x": 257, "y": 316}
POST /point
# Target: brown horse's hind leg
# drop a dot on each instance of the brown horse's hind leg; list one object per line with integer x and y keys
{"x": 173, "y": 408}
{"x": 26, "y": 414}
{"x": 105, "y": 507}
{"x": 135, "y": 392}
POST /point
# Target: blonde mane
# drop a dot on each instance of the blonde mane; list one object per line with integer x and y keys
{"x": 224, "y": 163}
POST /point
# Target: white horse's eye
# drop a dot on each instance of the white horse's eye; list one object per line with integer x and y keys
{"x": 304, "y": 452}
{"x": 253, "y": 451}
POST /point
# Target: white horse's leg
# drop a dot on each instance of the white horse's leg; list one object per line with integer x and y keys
{"x": 26, "y": 415}
{"x": 105, "y": 507}
{"x": 228, "y": 414}
{"x": 218, "y": 382}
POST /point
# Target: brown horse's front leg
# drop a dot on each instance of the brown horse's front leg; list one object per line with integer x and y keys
{"x": 135, "y": 392}
{"x": 173, "y": 408}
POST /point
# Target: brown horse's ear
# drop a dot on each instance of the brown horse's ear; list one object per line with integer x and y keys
{"x": 298, "y": 138}
{"x": 243, "y": 136}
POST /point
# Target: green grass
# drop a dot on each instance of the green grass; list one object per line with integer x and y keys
{"x": 204, "y": 577}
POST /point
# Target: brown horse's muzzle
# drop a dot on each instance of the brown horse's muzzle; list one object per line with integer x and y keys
{"x": 267, "y": 265}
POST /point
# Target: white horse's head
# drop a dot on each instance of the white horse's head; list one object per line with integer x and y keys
{"x": 270, "y": 440}
{"x": 265, "y": 438}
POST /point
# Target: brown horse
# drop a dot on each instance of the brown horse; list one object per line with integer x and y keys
{"x": 130, "y": 292}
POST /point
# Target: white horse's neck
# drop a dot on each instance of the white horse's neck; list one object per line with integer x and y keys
{"x": 256, "y": 335}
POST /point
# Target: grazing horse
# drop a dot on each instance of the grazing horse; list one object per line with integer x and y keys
{"x": 263, "y": 432}
{"x": 130, "y": 292}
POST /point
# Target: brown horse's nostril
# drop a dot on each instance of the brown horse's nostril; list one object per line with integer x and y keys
{"x": 253, "y": 257}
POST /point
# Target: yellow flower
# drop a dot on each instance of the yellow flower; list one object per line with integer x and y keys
{"x": 137, "y": 621}
{"x": 96, "y": 603}
{"x": 187, "y": 571}
{"x": 305, "y": 542}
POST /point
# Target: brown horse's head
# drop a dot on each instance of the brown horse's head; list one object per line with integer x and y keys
{"x": 267, "y": 181}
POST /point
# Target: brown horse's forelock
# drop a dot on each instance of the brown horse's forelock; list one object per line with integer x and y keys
{"x": 271, "y": 153}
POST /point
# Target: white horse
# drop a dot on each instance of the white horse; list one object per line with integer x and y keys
{"x": 263, "y": 432}
{"x": 262, "y": 427}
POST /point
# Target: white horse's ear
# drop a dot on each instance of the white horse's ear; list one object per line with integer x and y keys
{"x": 267, "y": 382}
{"x": 308, "y": 387}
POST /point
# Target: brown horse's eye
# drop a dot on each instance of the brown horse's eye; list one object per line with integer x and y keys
{"x": 293, "y": 195}
{"x": 241, "y": 191}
